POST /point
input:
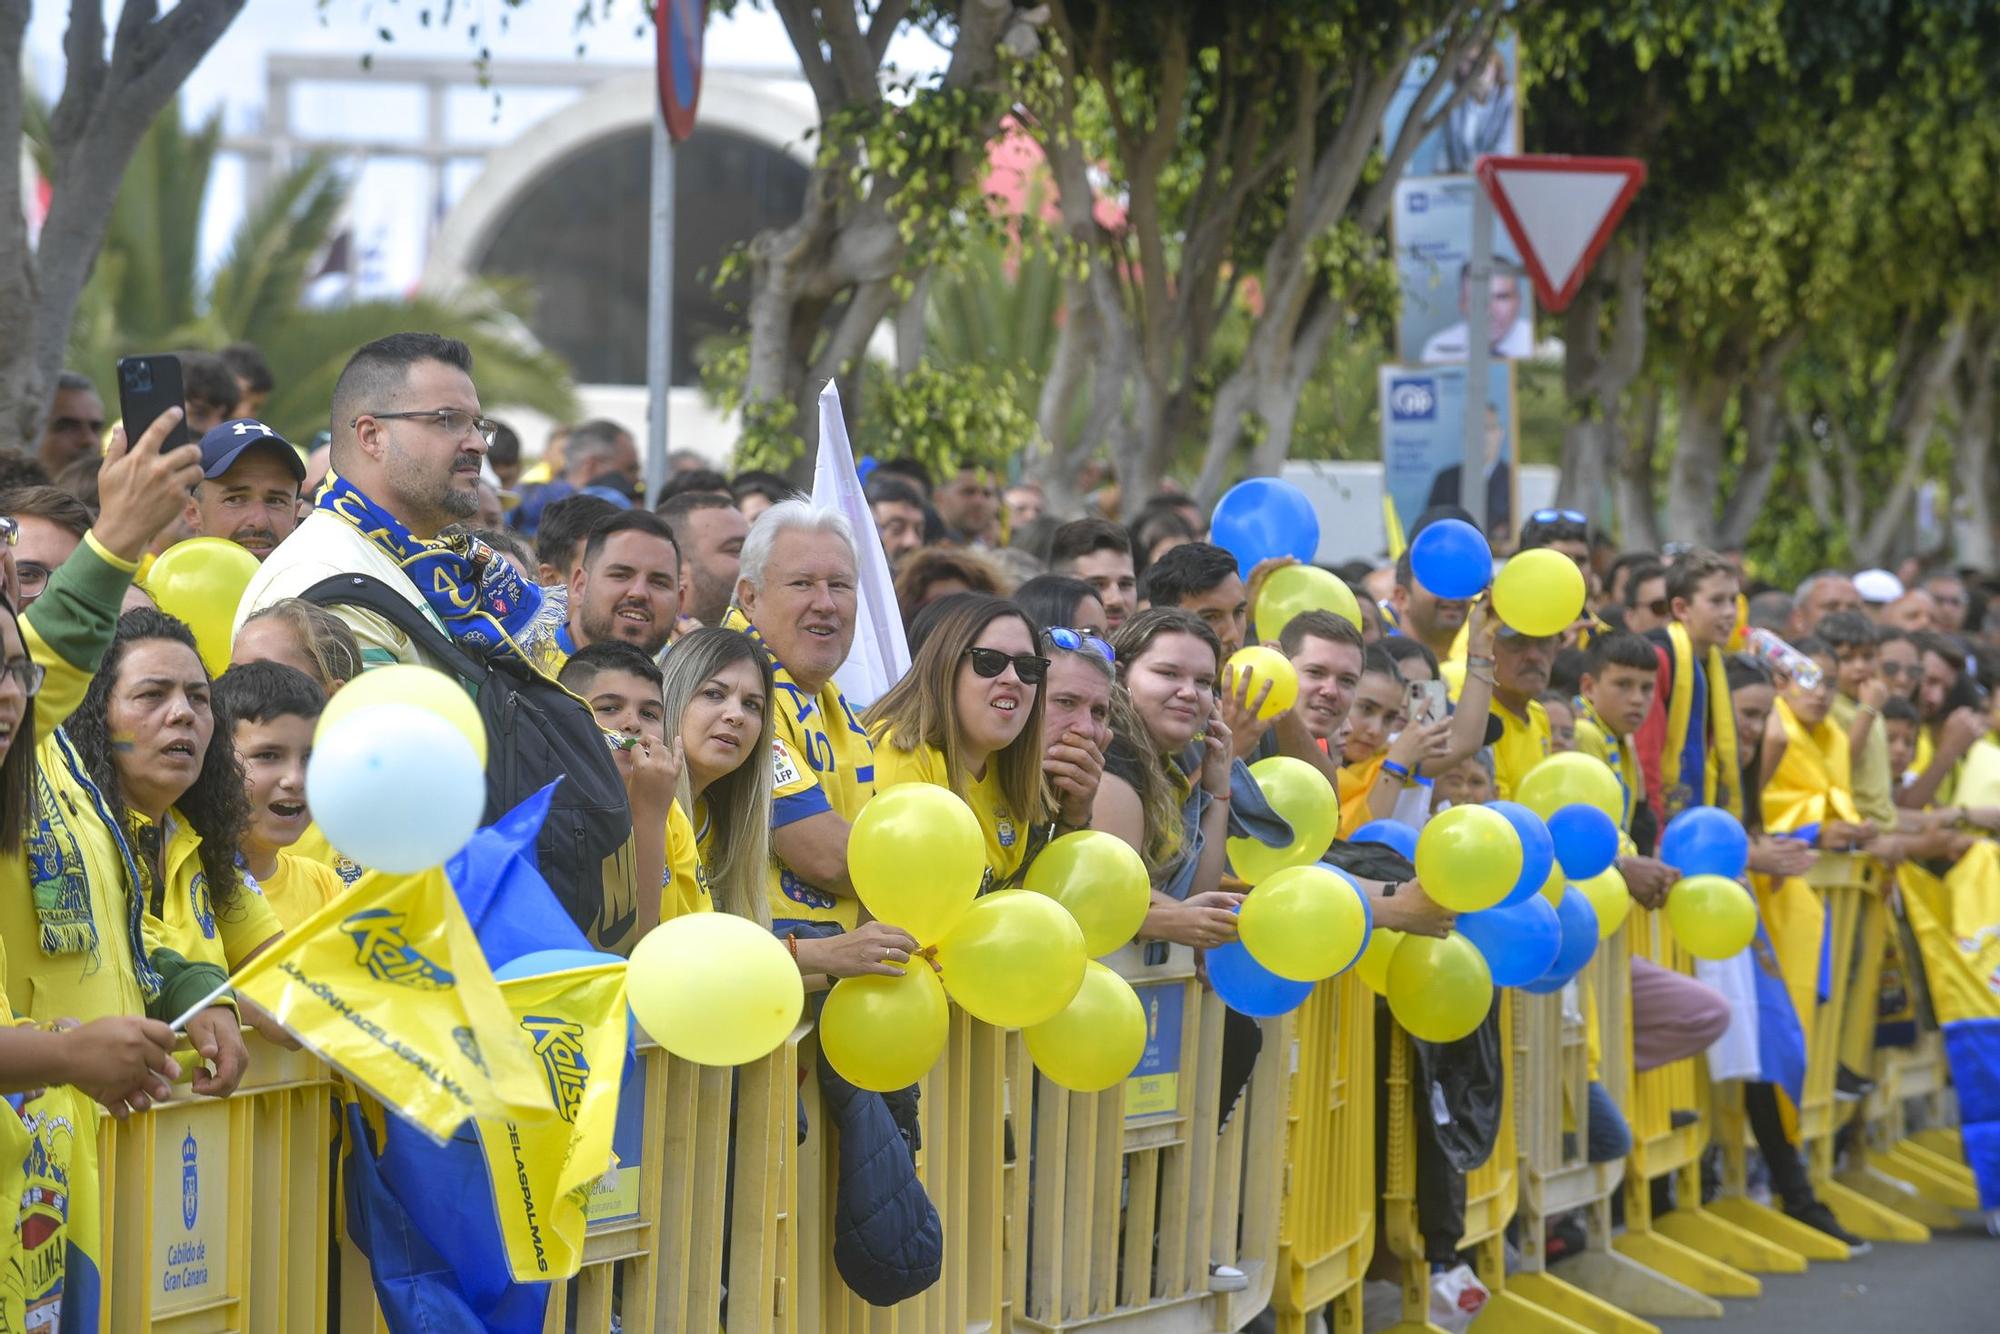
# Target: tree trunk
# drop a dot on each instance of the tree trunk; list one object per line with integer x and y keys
{"x": 1977, "y": 543}
{"x": 1917, "y": 414}
{"x": 1702, "y": 398}
{"x": 1763, "y": 441}
{"x": 1599, "y": 365}
{"x": 1638, "y": 523}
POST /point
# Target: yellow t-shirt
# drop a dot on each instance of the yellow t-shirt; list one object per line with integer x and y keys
{"x": 1523, "y": 744}
{"x": 313, "y": 847}
{"x": 1004, "y": 829}
{"x": 1595, "y": 739}
{"x": 685, "y": 888}
{"x": 820, "y": 761}
{"x": 188, "y": 921}
{"x": 299, "y": 888}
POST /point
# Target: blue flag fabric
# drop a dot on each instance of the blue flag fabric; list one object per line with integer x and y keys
{"x": 421, "y": 1212}
{"x": 1781, "y": 1041}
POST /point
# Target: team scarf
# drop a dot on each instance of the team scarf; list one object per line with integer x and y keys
{"x": 1596, "y": 737}
{"x": 1698, "y": 764}
{"x": 483, "y": 603}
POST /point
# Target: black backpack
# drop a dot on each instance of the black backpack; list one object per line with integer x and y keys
{"x": 536, "y": 733}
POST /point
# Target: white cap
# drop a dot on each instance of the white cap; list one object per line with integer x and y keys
{"x": 1878, "y": 586}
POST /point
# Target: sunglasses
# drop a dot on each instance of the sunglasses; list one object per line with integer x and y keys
{"x": 1552, "y": 516}
{"x": 1658, "y": 606}
{"x": 1076, "y": 641}
{"x": 990, "y": 662}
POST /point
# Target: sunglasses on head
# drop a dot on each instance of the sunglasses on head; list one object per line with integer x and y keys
{"x": 1075, "y": 641}
{"x": 1552, "y": 516}
{"x": 990, "y": 662}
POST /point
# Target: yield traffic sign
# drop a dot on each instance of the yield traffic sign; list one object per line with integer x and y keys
{"x": 1560, "y": 211}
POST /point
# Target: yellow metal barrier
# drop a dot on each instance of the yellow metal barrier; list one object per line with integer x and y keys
{"x": 1326, "y": 1233}
{"x": 189, "y": 1244}
{"x": 1137, "y": 1191}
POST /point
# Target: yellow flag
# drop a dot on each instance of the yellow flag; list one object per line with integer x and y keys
{"x": 387, "y": 983}
{"x": 48, "y": 1179}
{"x": 543, "y": 1167}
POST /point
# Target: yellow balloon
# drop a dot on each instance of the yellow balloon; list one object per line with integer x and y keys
{"x": 917, "y": 857}
{"x": 714, "y": 988}
{"x": 1303, "y": 923}
{"x": 1539, "y": 592}
{"x": 1101, "y": 880}
{"x": 1608, "y": 895}
{"x": 1468, "y": 858}
{"x": 1014, "y": 960}
{"x": 1302, "y": 795}
{"x": 1373, "y": 966}
{"x": 402, "y": 683}
{"x": 1552, "y": 888}
{"x": 1439, "y": 990}
{"x": 1097, "y": 1040}
{"x": 1571, "y": 778}
{"x": 885, "y": 1033}
{"x": 1263, "y": 664}
{"x": 199, "y": 582}
{"x": 1298, "y": 588}
{"x": 1714, "y": 917}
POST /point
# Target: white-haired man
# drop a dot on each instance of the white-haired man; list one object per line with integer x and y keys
{"x": 796, "y": 596}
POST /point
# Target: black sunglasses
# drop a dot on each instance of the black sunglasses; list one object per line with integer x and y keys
{"x": 990, "y": 662}
{"x": 1658, "y": 606}
{"x": 1075, "y": 641}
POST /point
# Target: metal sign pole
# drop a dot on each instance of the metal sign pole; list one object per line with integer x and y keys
{"x": 659, "y": 309}
{"x": 1478, "y": 300}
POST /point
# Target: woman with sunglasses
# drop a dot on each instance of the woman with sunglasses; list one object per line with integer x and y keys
{"x": 968, "y": 716}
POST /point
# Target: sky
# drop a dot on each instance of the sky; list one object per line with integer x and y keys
{"x": 390, "y": 218}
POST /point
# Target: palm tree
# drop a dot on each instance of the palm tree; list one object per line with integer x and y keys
{"x": 146, "y": 293}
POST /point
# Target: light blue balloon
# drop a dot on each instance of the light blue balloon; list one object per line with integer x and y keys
{"x": 395, "y": 787}
{"x": 1519, "y": 944}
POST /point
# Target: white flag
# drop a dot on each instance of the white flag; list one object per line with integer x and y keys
{"x": 880, "y": 654}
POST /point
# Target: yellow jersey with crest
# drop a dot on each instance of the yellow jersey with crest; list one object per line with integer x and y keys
{"x": 299, "y": 888}
{"x": 1004, "y": 829}
{"x": 188, "y": 920}
{"x": 821, "y": 760}
{"x": 686, "y": 885}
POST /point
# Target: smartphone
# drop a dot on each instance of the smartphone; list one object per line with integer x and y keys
{"x": 147, "y": 387}
{"x": 1425, "y": 702}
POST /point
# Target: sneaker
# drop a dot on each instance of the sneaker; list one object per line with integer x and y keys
{"x": 1682, "y": 1116}
{"x": 1227, "y": 1278}
{"x": 1566, "y": 1237}
{"x": 1817, "y": 1215}
{"x": 1457, "y": 1297}
{"x": 1850, "y": 1087}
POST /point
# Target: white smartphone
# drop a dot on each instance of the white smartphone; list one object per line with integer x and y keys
{"x": 1426, "y": 702}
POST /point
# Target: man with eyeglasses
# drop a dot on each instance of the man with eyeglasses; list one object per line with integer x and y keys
{"x": 408, "y": 440}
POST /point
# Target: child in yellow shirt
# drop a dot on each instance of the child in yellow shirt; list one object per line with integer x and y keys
{"x": 271, "y": 710}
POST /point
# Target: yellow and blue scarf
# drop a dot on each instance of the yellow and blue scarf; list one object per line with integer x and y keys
{"x": 1697, "y": 763}
{"x": 483, "y": 603}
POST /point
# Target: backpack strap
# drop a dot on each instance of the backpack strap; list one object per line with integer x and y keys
{"x": 372, "y": 595}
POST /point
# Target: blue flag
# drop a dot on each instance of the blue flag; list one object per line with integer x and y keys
{"x": 423, "y": 1213}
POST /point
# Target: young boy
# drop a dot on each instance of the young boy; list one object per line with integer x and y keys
{"x": 621, "y": 683}
{"x": 270, "y": 710}
{"x": 1900, "y": 723}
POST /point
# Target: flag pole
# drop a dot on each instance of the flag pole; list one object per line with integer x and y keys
{"x": 211, "y": 998}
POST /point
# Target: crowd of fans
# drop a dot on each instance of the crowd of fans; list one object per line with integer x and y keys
{"x": 1068, "y": 673}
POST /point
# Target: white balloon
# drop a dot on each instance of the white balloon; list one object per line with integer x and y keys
{"x": 395, "y": 787}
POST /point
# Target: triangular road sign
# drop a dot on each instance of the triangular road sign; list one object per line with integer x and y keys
{"x": 1560, "y": 211}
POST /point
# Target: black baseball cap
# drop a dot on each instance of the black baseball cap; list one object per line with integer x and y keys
{"x": 224, "y": 444}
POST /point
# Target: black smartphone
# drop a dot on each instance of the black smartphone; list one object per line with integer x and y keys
{"x": 147, "y": 387}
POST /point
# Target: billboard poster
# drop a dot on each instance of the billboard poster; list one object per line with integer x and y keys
{"x": 1432, "y": 238}
{"x": 1487, "y": 120}
{"x": 1423, "y": 441}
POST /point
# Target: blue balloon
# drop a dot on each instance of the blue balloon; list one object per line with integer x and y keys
{"x": 551, "y": 961}
{"x": 1262, "y": 517}
{"x": 1520, "y": 943}
{"x": 1394, "y": 834}
{"x": 1579, "y": 941}
{"x": 1451, "y": 560}
{"x": 1586, "y": 840}
{"x": 1706, "y": 840}
{"x": 1248, "y": 987}
{"x": 1544, "y": 986}
{"x": 1538, "y": 853}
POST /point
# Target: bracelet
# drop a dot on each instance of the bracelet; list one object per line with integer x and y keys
{"x": 1472, "y": 662}
{"x": 1397, "y": 771}
{"x": 792, "y": 943}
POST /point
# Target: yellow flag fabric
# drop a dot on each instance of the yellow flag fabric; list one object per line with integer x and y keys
{"x": 387, "y": 983}
{"x": 48, "y": 1176}
{"x": 1957, "y": 925}
{"x": 543, "y": 1167}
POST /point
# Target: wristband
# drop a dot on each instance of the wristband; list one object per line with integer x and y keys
{"x": 1397, "y": 771}
{"x": 792, "y": 943}
{"x": 1478, "y": 662}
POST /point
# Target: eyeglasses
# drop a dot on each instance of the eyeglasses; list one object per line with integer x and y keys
{"x": 26, "y": 674}
{"x": 990, "y": 662}
{"x": 1895, "y": 670}
{"x": 1075, "y": 641}
{"x": 1551, "y": 516}
{"x": 456, "y": 422}
{"x": 34, "y": 578}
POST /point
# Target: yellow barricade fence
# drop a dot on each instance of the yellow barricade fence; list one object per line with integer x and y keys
{"x": 1695, "y": 1253}
{"x": 1137, "y": 1191}
{"x": 189, "y": 1244}
{"x": 1492, "y": 1190}
{"x": 1326, "y": 1233}
{"x": 1552, "y": 1060}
